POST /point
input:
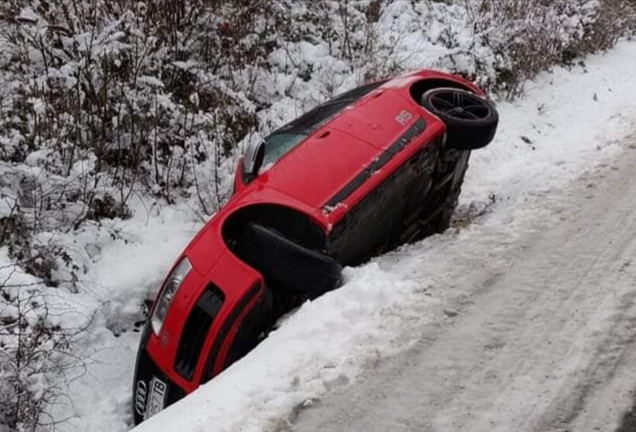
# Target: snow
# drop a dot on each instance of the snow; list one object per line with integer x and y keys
{"x": 575, "y": 119}
{"x": 334, "y": 322}
{"x": 125, "y": 262}
{"x": 572, "y": 117}
{"x": 27, "y": 14}
{"x": 533, "y": 330}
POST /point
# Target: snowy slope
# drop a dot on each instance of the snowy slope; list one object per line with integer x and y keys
{"x": 570, "y": 122}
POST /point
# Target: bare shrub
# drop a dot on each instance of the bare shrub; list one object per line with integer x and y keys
{"x": 118, "y": 81}
{"x": 34, "y": 356}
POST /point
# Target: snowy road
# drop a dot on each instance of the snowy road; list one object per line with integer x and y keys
{"x": 537, "y": 336}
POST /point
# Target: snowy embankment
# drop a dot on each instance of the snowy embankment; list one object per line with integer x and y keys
{"x": 570, "y": 121}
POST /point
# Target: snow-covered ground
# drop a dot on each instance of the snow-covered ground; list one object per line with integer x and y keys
{"x": 532, "y": 335}
{"x": 570, "y": 121}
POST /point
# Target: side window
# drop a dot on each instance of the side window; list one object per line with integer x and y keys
{"x": 277, "y": 145}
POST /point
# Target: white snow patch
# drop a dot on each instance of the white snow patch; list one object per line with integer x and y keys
{"x": 124, "y": 263}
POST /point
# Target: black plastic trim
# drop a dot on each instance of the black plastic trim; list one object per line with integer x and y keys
{"x": 195, "y": 331}
{"x": 225, "y": 329}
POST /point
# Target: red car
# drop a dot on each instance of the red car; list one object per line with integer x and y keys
{"x": 373, "y": 168}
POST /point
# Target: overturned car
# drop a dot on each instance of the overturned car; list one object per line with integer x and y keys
{"x": 366, "y": 171}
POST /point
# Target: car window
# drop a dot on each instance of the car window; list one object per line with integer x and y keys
{"x": 289, "y": 136}
{"x": 277, "y": 145}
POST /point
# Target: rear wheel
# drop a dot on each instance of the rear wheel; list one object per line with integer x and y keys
{"x": 471, "y": 121}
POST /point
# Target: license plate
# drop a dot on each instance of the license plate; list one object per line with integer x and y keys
{"x": 156, "y": 397}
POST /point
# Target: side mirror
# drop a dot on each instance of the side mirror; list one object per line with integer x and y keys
{"x": 253, "y": 161}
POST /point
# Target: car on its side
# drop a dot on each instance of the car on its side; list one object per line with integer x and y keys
{"x": 364, "y": 172}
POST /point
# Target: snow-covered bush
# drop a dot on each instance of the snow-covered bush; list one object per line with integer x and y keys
{"x": 143, "y": 93}
{"x": 148, "y": 93}
{"x": 529, "y": 37}
{"x": 34, "y": 355}
{"x": 126, "y": 85}
{"x": 500, "y": 43}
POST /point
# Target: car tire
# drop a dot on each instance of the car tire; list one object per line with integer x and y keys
{"x": 471, "y": 121}
{"x": 286, "y": 263}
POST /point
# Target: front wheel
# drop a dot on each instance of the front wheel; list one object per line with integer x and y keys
{"x": 471, "y": 121}
{"x": 286, "y": 263}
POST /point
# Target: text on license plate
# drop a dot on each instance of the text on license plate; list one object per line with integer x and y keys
{"x": 157, "y": 397}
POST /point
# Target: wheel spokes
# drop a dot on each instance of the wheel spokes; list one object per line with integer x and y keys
{"x": 438, "y": 100}
{"x": 470, "y": 115}
{"x": 458, "y": 99}
{"x": 459, "y": 104}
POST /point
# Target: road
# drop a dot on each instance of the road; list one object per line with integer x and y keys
{"x": 540, "y": 336}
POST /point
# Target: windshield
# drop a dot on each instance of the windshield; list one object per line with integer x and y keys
{"x": 289, "y": 136}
